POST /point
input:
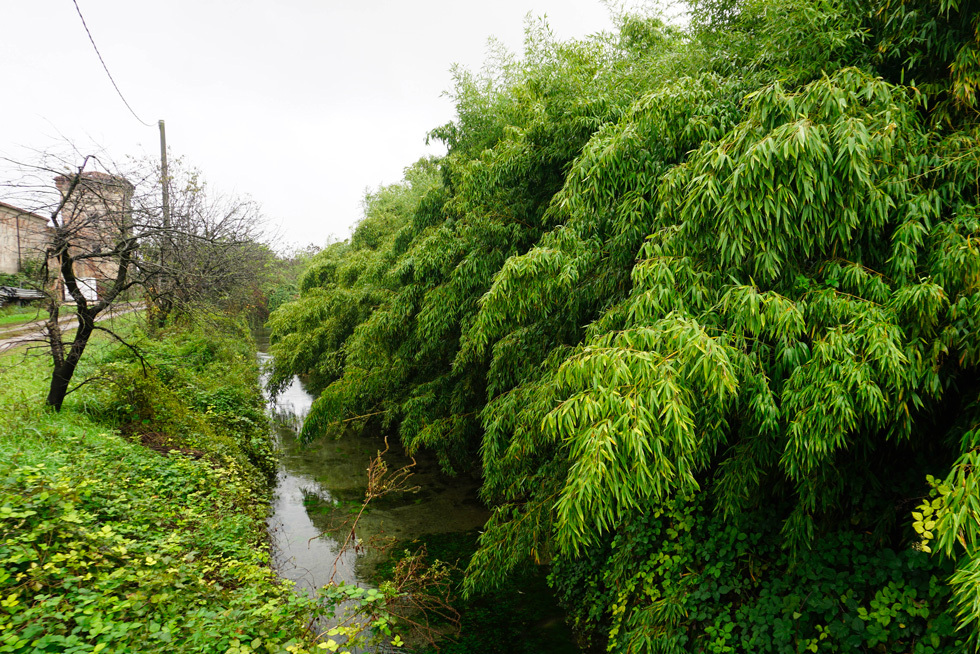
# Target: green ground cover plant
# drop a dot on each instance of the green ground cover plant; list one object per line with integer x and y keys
{"x": 133, "y": 520}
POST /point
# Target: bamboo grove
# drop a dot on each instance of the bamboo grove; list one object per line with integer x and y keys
{"x": 700, "y": 301}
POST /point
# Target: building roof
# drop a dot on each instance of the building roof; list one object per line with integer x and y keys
{"x": 23, "y": 212}
{"x": 95, "y": 176}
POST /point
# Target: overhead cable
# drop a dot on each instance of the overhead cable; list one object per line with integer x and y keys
{"x": 114, "y": 85}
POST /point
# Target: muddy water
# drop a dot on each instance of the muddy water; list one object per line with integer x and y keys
{"x": 321, "y": 486}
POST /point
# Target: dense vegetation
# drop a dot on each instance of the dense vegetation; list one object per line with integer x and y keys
{"x": 703, "y": 305}
{"x": 134, "y": 519}
{"x": 521, "y": 617}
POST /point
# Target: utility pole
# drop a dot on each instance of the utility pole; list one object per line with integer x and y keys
{"x": 164, "y": 181}
{"x": 161, "y": 303}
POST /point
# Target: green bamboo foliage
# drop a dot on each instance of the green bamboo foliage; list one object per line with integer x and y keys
{"x": 702, "y": 308}
{"x": 344, "y": 284}
{"x": 774, "y": 329}
{"x": 520, "y": 127}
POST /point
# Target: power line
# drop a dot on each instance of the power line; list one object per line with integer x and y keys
{"x": 114, "y": 85}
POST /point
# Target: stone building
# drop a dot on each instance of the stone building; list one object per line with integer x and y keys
{"x": 23, "y": 238}
{"x": 97, "y": 215}
{"x": 94, "y": 219}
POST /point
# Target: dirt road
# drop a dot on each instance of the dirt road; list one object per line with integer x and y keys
{"x": 33, "y": 332}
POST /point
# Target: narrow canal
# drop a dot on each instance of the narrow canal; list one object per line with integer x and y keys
{"x": 321, "y": 486}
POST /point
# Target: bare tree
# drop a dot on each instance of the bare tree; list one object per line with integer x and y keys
{"x": 211, "y": 252}
{"x": 109, "y": 242}
{"x": 89, "y": 260}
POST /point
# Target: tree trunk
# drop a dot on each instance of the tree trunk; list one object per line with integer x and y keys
{"x": 60, "y": 379}
{"x": 65, "y": 369}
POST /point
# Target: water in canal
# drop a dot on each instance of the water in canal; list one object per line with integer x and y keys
{"x": 321, "y": 486}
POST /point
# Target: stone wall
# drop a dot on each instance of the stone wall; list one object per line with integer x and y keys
{"x": 23, "y": 238}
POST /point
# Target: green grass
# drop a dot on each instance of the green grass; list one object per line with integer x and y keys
{"x": 14, "y": 315}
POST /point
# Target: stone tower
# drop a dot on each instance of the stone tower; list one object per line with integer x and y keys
{"x": 95, "y": 218}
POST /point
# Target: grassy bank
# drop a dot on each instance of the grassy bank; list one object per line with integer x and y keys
{"x": 13, "y": 316}
{"x": 133, "y": 520}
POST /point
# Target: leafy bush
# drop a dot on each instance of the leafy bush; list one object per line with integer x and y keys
{"x": 17, "y": 280}
{"x": 198, "y": 389}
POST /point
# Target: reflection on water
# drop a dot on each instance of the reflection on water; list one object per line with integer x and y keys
{"x": 299, "y": 552}
{"x": 321, "y": 486}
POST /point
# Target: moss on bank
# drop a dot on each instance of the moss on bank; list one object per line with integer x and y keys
{"x": 133, "y": 520}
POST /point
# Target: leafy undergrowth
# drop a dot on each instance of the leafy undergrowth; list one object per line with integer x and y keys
{"x": 710, "y": 585}
{"x": 108, "y": 545}
{"x": 521, "y": 617}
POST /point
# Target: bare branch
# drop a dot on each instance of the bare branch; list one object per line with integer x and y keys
{"x": 87, "y": 381}
{"x": 132, "y": 348}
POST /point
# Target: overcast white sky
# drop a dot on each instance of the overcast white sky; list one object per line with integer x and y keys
{"x": 301, "y": 104}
